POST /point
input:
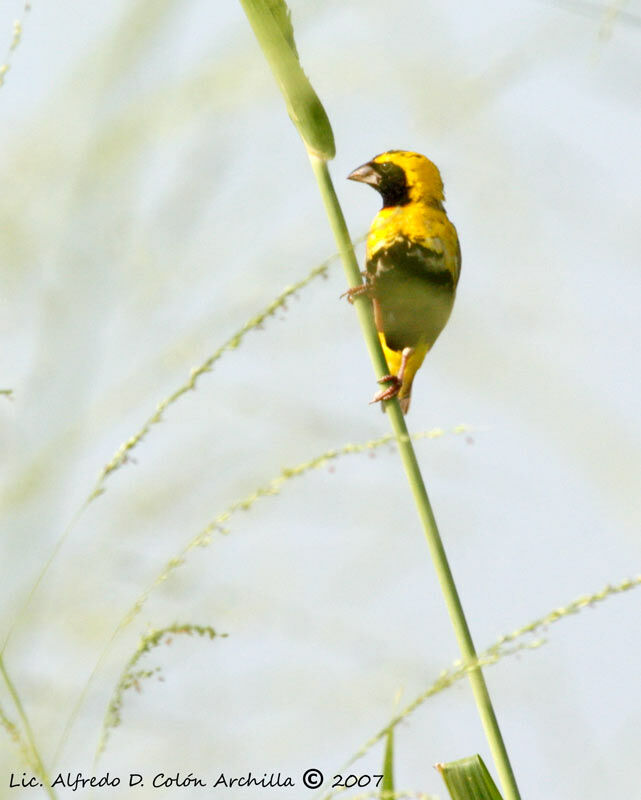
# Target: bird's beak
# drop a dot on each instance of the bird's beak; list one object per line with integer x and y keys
{"x": 367, "y": 173}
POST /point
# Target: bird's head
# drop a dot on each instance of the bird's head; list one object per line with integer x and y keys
{"x": 402, "y": 177}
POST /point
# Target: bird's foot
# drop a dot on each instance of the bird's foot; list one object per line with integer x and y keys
{"x": 389, "y": 391}
{"x": 357, "y": 291}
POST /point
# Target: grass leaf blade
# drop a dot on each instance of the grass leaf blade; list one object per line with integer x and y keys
{"x": 469, "y": 779}
{"x": 271, "y": 23}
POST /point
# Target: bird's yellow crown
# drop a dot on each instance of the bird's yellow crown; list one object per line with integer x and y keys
{"x": 424, "y": 181}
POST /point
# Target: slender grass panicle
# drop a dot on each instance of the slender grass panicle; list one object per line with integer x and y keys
{"x": 509, "y": 644}
{"x": 219, "y": 525}
{"x": 132, "y": 676}
{"x": 16, "y": 38}
{"x": 123, "y": 454}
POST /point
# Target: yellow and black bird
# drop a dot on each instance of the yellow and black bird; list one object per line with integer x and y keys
{"x": 413, "y": 264}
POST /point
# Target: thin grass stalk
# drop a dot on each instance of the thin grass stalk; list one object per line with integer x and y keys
{"x": 38, "y": 764}
{"x": 417, "y": 486}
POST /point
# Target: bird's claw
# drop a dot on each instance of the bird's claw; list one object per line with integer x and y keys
{"x": 389, "y": 391}
{"x": 357, "y": 291}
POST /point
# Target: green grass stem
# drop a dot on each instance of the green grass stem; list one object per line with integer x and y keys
{"x": 417, "y": 486}
{"x": 271, "y": 22}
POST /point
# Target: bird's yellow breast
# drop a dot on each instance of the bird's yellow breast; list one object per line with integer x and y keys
{"x": 419, "y": 223}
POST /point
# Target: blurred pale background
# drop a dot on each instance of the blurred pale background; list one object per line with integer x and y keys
{"x": 154, "y": 197}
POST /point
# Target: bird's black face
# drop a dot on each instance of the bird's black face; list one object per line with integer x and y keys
{"x": 387, "y": 178}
